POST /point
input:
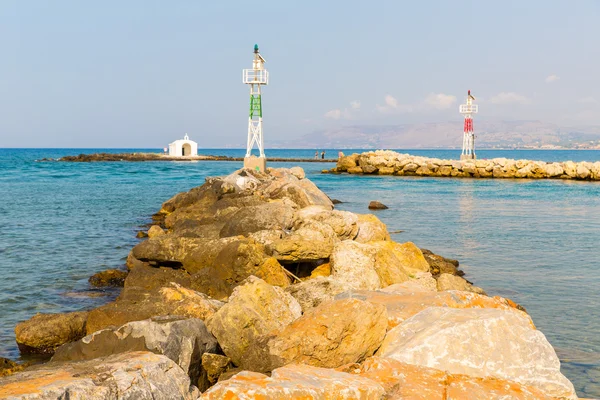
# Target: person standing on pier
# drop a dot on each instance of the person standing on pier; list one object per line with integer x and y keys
{"x": 317, "y": 155}
{"x": 323, "y": 155}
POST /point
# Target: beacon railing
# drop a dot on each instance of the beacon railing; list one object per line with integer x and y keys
{"x": 256, "y": 76}
{"x": 468, "y": 108}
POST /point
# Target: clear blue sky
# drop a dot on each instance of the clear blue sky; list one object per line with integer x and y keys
{"x": 141, "y": 73}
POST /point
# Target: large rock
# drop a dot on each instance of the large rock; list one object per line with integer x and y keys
{"x": 354, "y": 264}
{"x": 108, "y": 278}
{"x": 315, "y": 291}
{"x": 582, "y": 171}
{"x": 215, "y": 365}
{"x": 155, "y": 230}
{"x": 296, "y": 382}
{"x": 283, "y": 184}
{"x": 136, "y": 375}
{"x": 275, "y": 215}
{"x": 233, "y": 264}
{"x": 267, "y": 236}
{"x": 481, "y": 343}
{"x": 467, "y": 387}
{"x": 570, "y": 168}
{"x": 343, "y": 223}
{"x": 405, "y": 381}
{"x": 346, "y": 162}
{"x": 370, "y": 228}
{"x": 367, "y": 266}
{"x": 135, "y": 304}
{"x": 410, "y": 257}
{"x": 330, "y": 335}
{"x": 453, "y": 282}
{"x": 43, "y": 333}
{"x": 150, "y": 278}
{"x": 312, "y": 241}
{"x": 255, "y": 308}
{"x": 403, "y": 302}
{"x": 440, "y": 265}
{"x": 190, "y": 253}
{"x": 553, "y": 170}
{"x": 419, "y": 282}
{"x": 182, "y": 340}
{"x": 376, "y": 205}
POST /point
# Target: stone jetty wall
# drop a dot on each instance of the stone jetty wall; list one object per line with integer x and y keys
{"x": 252, "y": 286}
{"x": 384, "y": 162}
{"x": 136, "y": 157}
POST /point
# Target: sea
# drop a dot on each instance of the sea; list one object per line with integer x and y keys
{"x": 536, "y": 242}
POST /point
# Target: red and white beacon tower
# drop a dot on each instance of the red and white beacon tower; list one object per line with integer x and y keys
{"x": 468, "y": 149}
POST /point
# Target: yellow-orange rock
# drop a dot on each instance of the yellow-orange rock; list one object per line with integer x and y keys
{"x": 321, "y": 270}
{"x": 403, "y": 304}
{"x": 411, "y": 382}
{"x": 367, "y": 266}
{"x": 301, "y": 382}
{"x": 370, "y": 228}
{"x": 466, "y": 387}
{"x": 254, "y": 309}
{"x": 405, "y": 381}
{"x": 330, "y": 335}
{"x": 410, "y": 256}
{"x": 136, "y": 304}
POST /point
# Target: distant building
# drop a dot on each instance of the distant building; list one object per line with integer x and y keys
{"x": 183, "y": 147}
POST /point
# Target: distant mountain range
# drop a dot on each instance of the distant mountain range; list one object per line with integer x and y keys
{"x": 502, "y": 134}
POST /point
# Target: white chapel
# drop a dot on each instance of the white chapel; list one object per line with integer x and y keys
{"x": 183, "y": 147}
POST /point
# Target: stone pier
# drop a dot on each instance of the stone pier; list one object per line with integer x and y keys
{"x": 385, "y": 162}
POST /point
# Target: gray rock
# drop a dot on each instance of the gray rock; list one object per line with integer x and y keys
{"x": 132, "y": 376}
{"x": 182, "y": 340}
{"x": 275, "y": 215}
{"x": 137, "y": 304}
{"x": 313, "y": 292}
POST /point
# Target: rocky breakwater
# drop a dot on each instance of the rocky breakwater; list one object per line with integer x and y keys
{"x": 384, "y": 162}
{"x": 253, "y": 286}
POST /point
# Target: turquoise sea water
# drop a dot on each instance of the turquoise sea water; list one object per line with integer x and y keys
{"x": 534, "y": 241}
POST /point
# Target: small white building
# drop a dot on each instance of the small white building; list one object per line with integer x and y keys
{"x": 183, "y": 147}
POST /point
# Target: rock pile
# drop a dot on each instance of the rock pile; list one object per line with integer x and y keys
{"x": 253, "y": 286}
{"x": 385, "y": 162}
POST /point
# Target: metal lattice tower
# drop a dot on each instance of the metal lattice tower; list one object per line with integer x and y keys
{"x": 468, "y": 149}
{"x": 256, "y": 77}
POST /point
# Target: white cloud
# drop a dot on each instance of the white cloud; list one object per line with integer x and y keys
{"x": 391, "y": 101}
{"x": 552, "y": 78}
{"x": 392, "y": 105}
{"x": 334, "y": 114}
{"x": 344, "y": 113}
{"x": 509, "y": 98}
{"x": 588, "y": 100}
{"x": 440, "y": 101}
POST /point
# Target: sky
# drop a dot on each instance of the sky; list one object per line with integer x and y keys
{"x": 142, "y": 73}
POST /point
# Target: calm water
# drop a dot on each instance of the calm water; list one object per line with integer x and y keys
{"x": 536, "y": 242}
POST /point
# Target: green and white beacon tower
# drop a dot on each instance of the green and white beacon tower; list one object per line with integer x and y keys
{"x": 256, "y": 77}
